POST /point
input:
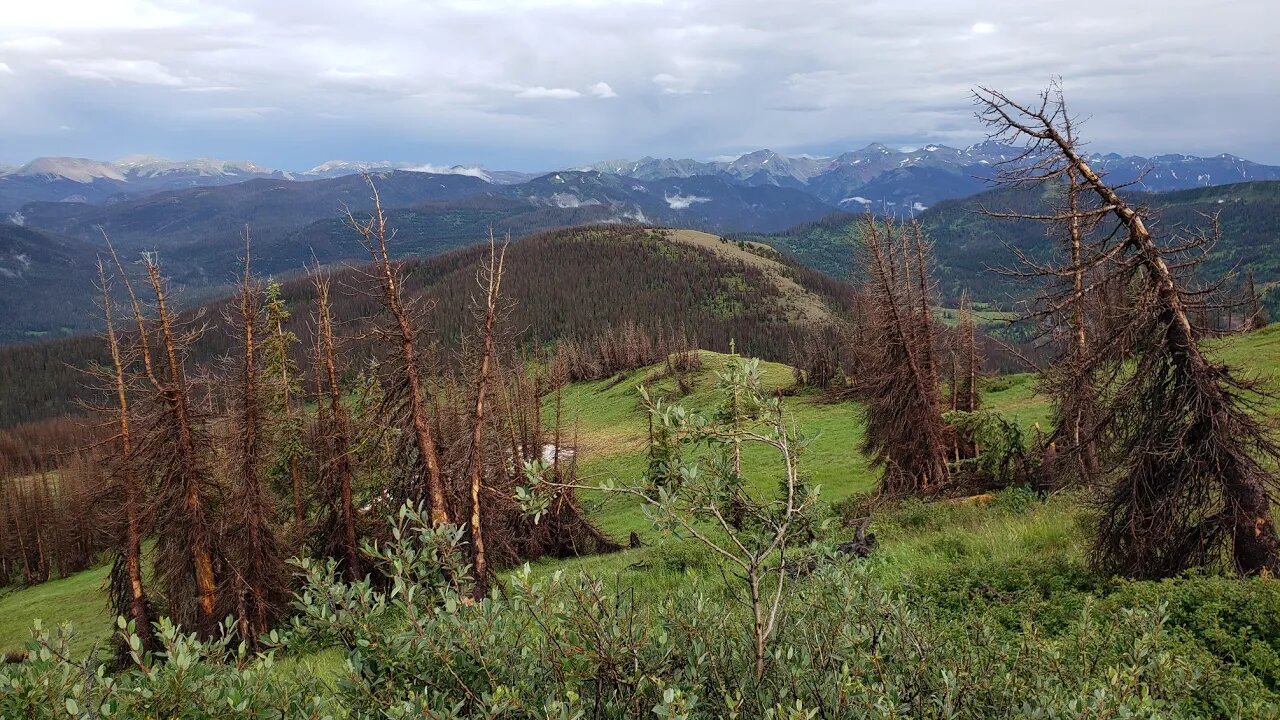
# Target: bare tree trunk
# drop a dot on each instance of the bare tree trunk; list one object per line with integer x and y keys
{"x": 375, "y": 235}
{"x": 340, "y": 439}
{"x": 1082, "y": 404}
{"x": 492, "y": 275}
{"x": 138, "y": 608}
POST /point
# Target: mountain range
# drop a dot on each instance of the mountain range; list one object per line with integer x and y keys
{"x": 913, "y": 177}
{"x": 194, "y": 212}
{"x": 903, "y": 180}
{"x": 67, "y": 179}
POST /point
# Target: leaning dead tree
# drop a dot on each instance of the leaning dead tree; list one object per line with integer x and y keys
{"x": 906, "y": 436}
{"x": 1187, "y": 481}
{"x": 406, "y": 399}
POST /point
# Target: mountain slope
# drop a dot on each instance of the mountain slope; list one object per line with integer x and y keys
{"x": 296, "y": 222}
{"x": 567, "y": 283}
{"x": 967, "y": 243}
{"x": 46, "y": 284}
{"x": 700, "y": 201}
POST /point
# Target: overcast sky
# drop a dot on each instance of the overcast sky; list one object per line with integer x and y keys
{"x": 540, "y": 84}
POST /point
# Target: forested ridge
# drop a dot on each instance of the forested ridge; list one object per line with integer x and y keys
{"x": 969, "y": 244}
{"x": 563, "y": 284}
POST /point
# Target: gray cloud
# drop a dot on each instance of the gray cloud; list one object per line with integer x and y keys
{"x": 522, "y": 83}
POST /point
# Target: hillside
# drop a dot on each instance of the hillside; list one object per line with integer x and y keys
{"x": 561, "y": 284}
{"x": 995, "y": 572}
{"x": 968, "y": 244}
{"x": 610, "y": 429}
{"x": 46, "y": 284}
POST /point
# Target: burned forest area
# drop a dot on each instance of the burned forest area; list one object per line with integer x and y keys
{"x": 630, "y": 469}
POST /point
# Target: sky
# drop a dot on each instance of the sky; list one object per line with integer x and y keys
{"x": 544, "y": 84}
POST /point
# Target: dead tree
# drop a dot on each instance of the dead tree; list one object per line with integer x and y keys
{"x": 258, "y": 583}
{"x": 337, "y": 536}
{"x": 1257, "y": 313}
{"x": 491, "y": 282}
{"x": 967, "y": 399}
{"x": 175, "y": 447}
{"x": 906, "y": 436}
{"x": 127, "y": 594}
{"x": 408, "y": 394}
{"x": 966, "y": 364}
{"x": 1069, "y": 310}
{"x": 1187, "y": 455}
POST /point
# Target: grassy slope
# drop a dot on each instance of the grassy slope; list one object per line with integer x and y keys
{"x": 611, "y": 429}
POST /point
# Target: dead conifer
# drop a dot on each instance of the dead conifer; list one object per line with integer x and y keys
{"x": 1187, "y": 455}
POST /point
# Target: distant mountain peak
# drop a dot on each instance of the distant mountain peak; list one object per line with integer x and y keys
{"x": 81, "y": 170}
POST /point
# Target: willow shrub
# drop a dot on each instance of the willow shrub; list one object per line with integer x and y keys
{"x": 415, "y": 645}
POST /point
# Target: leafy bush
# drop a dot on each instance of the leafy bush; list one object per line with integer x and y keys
{"x": 1235, "y": 621}
{"x": 415, "y": 645}
{"x": 188, "y": 678}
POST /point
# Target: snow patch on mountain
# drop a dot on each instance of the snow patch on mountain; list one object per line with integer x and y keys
{"x": 79, "y": 170}
{"x": 149, "y": 167}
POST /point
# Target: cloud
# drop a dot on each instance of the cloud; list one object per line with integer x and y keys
{"x": 673, "y": 85}
{"x": 467, "y": 82}
{"x": 683, "y": 202}
{"x": 5, "y": 69}
{"x": 602, "y": 90}
{"x": 235, "y": 113}
{"x": 141, "y": 72}
{"x": 540, "y": 93}
{"x": 474, "y": 172}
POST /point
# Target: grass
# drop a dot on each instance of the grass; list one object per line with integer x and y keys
{"x": 918, "y": 540}
{"x": 983, "y": 316}
{"x": 77, "y": 599}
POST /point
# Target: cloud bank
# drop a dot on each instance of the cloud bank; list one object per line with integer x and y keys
{"x": 533, "y": 84}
